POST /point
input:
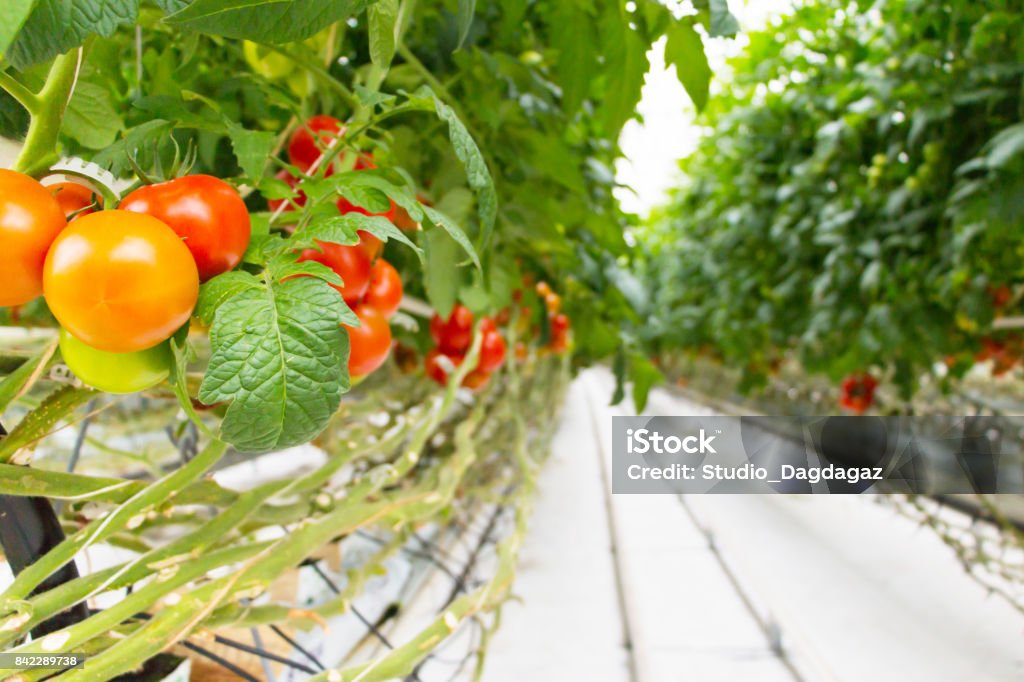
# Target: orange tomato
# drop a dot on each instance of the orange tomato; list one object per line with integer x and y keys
{"x": 30, "y": 219}
{"x": 120, "y": 281}
{"x": 73, "y": 197}
{"x": 369, "y": 343}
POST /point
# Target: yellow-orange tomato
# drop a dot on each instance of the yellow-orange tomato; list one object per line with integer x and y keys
{"x": 30, "y": 219}
{"x": 120, "y": 281}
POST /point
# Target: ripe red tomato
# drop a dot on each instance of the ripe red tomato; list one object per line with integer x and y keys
{"x": 30, "y": 219}
{"x": 350, "y": 262}
{"x": 370, "y": 343}
{"x": 206, "y": 212}
{"x": 120, "y": 281}
{"x": 385, "y": 289}
{"x": 492, "y": 351}
{"x": 304, "y": 149}
{"x": 858, "y": 392}
{"x": 559, "y": 333}
{"x": 455, "y": 334}
{"x": 73, "y": 197}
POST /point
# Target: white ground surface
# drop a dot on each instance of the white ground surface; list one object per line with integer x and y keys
{"x": 663, "y": 589}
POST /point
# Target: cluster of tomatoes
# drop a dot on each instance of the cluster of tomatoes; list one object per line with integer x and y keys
{"x": 371, "y": 286}
{"x": 857, "y": 392}
{"x": 453, "y": 337}
{"x": 120, "y": 282}
{"x": 558, "y": 323}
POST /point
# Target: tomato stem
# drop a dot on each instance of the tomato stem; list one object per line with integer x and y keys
{"x": 19, "y": 92}
{"x": 40, "y": 149}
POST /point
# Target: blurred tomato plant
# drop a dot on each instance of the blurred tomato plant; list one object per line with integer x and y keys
{"x": 857, "y": 198}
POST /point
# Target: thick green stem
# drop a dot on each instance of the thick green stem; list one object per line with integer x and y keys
{"x": 40, "y": 149}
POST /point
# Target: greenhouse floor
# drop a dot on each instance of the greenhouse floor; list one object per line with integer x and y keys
{"x": 730, "y": 588}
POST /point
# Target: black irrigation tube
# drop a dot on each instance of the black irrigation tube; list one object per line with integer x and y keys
{"x": 29, "y": 528}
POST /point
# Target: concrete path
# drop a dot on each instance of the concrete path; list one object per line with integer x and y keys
{"x": 660, "y": 588}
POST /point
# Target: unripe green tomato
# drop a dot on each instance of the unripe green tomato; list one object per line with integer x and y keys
{"x": 880, "y": 159}
{"x": 932, "y": 152}
{"x": 116, "y": 372}
{"x": 266, "y": 62}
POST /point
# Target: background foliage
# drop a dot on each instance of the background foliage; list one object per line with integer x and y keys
{"x": 857, "y": 199}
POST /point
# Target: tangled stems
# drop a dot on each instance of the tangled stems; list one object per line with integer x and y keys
{"x": 464, "y": 468}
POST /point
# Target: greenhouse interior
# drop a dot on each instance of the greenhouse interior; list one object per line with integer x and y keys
{"x": 533, "y": 340}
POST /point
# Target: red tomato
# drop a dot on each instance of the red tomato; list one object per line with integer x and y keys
{"x": 858, "y": 392}
{"x": 455, "y": 334}
{"x": 120, "y": 281}
{"x": 492, "y": 351}
{"x": 521, "y": 351}
{"x": 304, "y": 149}
{"x": 371, "y": 244}
{"x": 559, "y": 333}
{"x": 30, "y": 219}
{"x": 73, "y": 197}
{"x": 350, "y": 262}
{"x": 385, "y": 289}
{"x": 292, "y": 181}
{"x": 206, "y": 212}
{"x": 369, "y": 343}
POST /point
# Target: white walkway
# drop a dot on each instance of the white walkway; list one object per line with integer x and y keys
{"x": 734, "y": 588}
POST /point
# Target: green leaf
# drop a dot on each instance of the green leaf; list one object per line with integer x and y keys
{"x": 626, "y": 64}
{"x": 56, "y": 26}
{"x": 382, "y": 25}
{"x": 38, "y": 423}
{"x": 1006, "y": 146}
{"x": 252, "y": 148}
{"x": 467, "y": 8}
{"x": 454, "y": 231}
{"x": 644, "y": 376}
{"x": 92, "y": 117}
{"x": 572, "y": 31}
{"x": 619, "y": 370}
{"x": 684, "y": 49}
{"x": 16, "y": 382}
{"x": 476, "y": 168}
{"x": 12, "y": 17}
{"x": 223, "y": 287}
{"x": 280, "y": 356}
{"x": 442, "y": 276}
{"x": 723, "y": 23}
{"x": 345, "y": 230}
{"x": 265, "y": 21}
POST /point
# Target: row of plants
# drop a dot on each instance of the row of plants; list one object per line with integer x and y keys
{"x": 271, "y": 222}
{"x": 855, "y": 202}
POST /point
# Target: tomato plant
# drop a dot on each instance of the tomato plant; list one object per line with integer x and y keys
{"x": 319, "y": 163}
{"x": 853, "y": 203}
